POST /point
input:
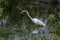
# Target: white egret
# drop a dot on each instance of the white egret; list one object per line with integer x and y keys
{"x": 34, "y": 20}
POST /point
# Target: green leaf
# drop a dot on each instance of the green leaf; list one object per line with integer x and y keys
{"x": 59, "y": 14}
{"x": 1, "y": 11}
{"x": 51, "y": 16}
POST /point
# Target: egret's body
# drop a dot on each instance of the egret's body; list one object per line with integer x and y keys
{"x": 34, "y": 20}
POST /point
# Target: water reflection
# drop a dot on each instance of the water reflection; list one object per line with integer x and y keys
{"x": 16, "y": 37}
{"x": 45, "y": 31}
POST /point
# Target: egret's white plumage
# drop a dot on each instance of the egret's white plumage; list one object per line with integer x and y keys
{"x": 34, "y": 20}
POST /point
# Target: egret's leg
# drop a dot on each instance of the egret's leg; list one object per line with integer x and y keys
{"x": 36, "y": 27}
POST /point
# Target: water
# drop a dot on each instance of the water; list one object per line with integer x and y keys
{"x": 16, "y": 37}
{"x": 26, "y": 34}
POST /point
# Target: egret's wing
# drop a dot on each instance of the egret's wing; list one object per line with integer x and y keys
{"x": 39, "y": 18}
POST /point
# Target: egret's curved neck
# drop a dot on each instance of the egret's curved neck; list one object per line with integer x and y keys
{"x": 28, "y": 14}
